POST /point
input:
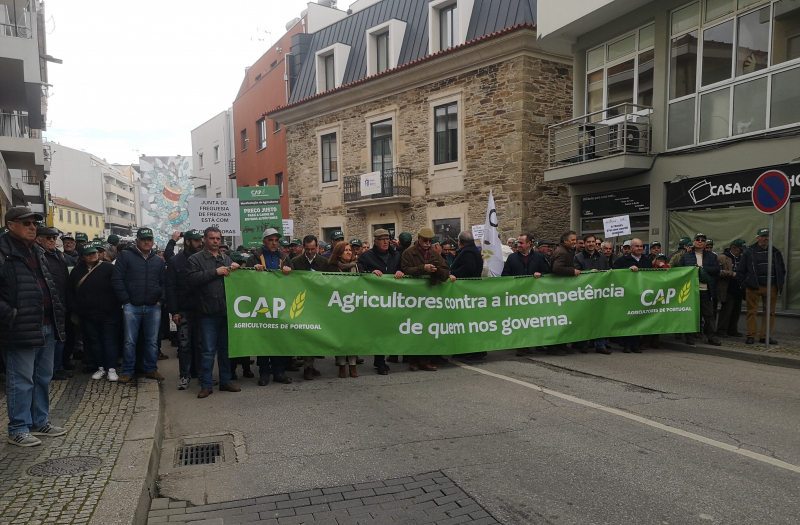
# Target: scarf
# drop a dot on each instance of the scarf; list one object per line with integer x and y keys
{"x": 426, "y": 254}
{"x": 348, "y": 267}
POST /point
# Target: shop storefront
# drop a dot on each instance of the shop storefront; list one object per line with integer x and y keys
{"x": 634, "y": 202}
{"x": 721, "y": 207}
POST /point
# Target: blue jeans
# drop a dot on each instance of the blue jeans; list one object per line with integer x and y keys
{"x": 58, "y": 356}
{"x": 149, "y": 317}
{"x": 101, "y": 334}
{"x": 28, "y": 374}
{"x": 214, "y": 335}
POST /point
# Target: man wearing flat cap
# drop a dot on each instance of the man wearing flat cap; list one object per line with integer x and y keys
{"x": 753, "y": 275}
{"x": 46, "y": 238}
{"x": 31, "y": 321}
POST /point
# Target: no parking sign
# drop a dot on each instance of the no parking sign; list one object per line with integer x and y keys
{"x": 771, "y": 191}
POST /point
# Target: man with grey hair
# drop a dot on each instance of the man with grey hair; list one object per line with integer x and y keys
{"x": 608, "y": 250}
{"x": 468, "y": 263}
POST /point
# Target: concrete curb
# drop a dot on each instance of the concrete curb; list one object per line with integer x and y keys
{"x": 752, "y": 356}
{"x": 126, "y": 498}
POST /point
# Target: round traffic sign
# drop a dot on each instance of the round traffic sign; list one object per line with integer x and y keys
{"x": 771, "y": 191}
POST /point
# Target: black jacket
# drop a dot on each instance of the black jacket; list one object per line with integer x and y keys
{"x": 60, "y": 273}
{"x": 209, "y": 288}
{"x": 735, "y": 283}
{"x": 180, "y": 297}
{"x": 468, "y": 262}
{"x": 585, "y": 262}
{"x": 710, "y": 265}
{"x": 95, "y": 295}
{"x": 748, "y": 272}
{"x": 372, "y": 261}
{"x": 21, "y": 306}
{"x": 139, "y": 281}
{"x": 626, "y": 261}
{"x": 515, "y": 265}
{"x": 318, "y": 264}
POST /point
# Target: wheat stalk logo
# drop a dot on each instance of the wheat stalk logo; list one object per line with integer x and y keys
{"x": 297, "y": 305}
{"x": 684, "y": 295}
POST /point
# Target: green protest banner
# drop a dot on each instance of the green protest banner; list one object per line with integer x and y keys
{"x": 259, "y": 209}
{"x": 337, "y": 314}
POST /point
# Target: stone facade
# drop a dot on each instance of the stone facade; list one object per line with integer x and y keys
{"x": 504, "y": 111}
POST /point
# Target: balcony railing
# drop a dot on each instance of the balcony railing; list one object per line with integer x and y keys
{"x": 16, "y": 22}
{"x": 395, "y": 182}
{"x": 619, "y": 130}
{"x": 231, "y": 167}
{"x": 15, "y": 124}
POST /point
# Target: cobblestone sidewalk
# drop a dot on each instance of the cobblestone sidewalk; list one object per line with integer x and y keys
{"x": 97, "y": 415}
{"x": 427, "y": 498}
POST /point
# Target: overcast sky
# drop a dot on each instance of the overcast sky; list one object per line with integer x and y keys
{"x": 141, "y": 74}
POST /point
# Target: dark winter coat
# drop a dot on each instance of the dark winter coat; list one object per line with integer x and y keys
{"x": 563, "y": 261}
{"x": 734, "y": 283}
{"x": 413, "y": 264}
{"x": 597, "y": 261}
{"x": 60, "y": 272}
{"x": 468, "y": 262}
{"x": 371, "y": 260}
{"x": 139, "y": 281}
{"x": 515, "y": 265}
{"x": 21, "y": 298}
{"x": 209, "y": 288}
{"x": 318, "y": 264}
{"x": 748, "y": 271}
{"x": 95, "y": 295}
{"x": 627, "y": 261}
{"x": 710, "y": 265}
{"x": 180, "y": 296}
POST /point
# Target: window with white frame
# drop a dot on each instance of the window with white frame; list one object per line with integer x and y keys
{"x": 216, "y": 154}
{"x": 448, "y": 23}
{"x": 330, "y": 65}
{"x": 382, "y": 51}
{"x": 445, "y": 138}
{"x": 620, "y": 72}
{"x": 448, "y": 27}
{"x": 279, "y": 183}
{"x": 261, "y": 126}
{"x": 384, "y": 43}
{"x": 330, "y": 164}
{"x": 733, "y": 69}
{"x": 330, "y": 72}
{"x": 200, "y": 155}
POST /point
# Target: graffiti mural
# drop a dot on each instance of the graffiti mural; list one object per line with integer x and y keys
{"x": 166, "y": 184}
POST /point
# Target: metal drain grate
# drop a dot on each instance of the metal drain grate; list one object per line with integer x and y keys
{"x": 204, "y": 454}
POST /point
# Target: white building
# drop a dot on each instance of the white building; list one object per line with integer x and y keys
{"x": 212, "y": 155}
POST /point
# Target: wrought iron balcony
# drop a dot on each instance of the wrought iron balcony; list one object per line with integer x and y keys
{"x": 619, "y": 130}
{"x": 231, "y": 167}
{"x": 395, "y": 185}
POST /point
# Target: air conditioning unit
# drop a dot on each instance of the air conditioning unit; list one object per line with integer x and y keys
{"x": 628, "y": 138}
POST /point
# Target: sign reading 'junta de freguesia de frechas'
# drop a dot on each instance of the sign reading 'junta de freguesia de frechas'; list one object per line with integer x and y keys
{"x": 271, "y": 314}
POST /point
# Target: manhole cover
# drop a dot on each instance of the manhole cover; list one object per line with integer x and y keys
{"x": 202, "y": 454}
{"x": 64, "y": 466}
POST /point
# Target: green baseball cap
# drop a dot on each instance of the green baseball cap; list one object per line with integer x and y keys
{"x": 763, "y": 232}
{"x": 698, "y": 235}
{"x": 683, "y": 241}
{"x": 709, "y": 242}
{"x": 655, "y": 243}
{"x": 82, "y": 237}
{"x": 740, "y": 243}
{"x": 404, "y": 237}
{"x": 193, "y": 235}
{"x": 284, "y": 242}
{"x": 296, "y": 242}
{"x": 4, "y": 230}
{"x": 97, "y": 245}
{"x": 241, "y": 248}
{"x": 356, "y": 242}
{"x": 67, "y": 236}
{"x": 338, "y": 234}
{"x": 436, "y": 240}
{"x": 86, "y": 249}
{"x": 223, "y": 245}
{"x": 143, "y": 233}
{"x": 237, "y": 257}
{"x": 113, "y": 240}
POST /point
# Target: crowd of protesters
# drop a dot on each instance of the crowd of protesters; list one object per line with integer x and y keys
{"x": 108, "y": 304}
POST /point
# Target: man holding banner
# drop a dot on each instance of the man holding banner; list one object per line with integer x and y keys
{"x": 207, "y": 271}
{"x": 708, "y": 269}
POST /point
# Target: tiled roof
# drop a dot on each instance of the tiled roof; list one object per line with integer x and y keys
{"x": 426, "y": 58}
{"x": 58, "y": 201}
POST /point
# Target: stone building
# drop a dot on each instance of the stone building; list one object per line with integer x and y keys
{"x": 438, "y": 116}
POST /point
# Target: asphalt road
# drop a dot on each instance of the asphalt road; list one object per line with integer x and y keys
{"x": 626, "y": 438}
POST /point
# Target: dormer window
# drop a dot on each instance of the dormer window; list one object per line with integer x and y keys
{"x": 448, "y": 23}
{"x": 382, "y": 51}
{"x": 448, "y": 27}
{"x": 384, "y": 42}
{"x": 330, "y": 72}
{"x": 331, "y": 63}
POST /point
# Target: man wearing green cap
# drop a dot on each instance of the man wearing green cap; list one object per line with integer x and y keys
{"x": 357, "y": 246}
{"x": 684, "y": 245}
{"x": 139, "y": 281}
{"x": 708, "y": 267}
{"x": 81, "y": 239}
{"x": 403, "y": 242}
{"x": 295, "y": 248}
{"x": 729, "y": 293}
{"x": 112, "y": 252}
{"x": 181, "y": 304}
{"x": 752, "y": 272}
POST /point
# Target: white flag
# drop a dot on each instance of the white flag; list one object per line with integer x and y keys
{"x": 492, "y": 245}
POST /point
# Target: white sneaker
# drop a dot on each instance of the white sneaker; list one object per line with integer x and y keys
{"x": 112, "y": 375}
{"x": 100, "y": 374}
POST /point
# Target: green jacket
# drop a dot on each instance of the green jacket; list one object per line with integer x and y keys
{"x": 319, "y": 264}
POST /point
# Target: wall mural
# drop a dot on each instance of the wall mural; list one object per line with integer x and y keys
{"x": 166, "y": 184}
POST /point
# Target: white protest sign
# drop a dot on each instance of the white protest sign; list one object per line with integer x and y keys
{"x": 616, "y": 226}
{"x": 477, "y": 233}
{"x": 371, "y": 183}
{"x": 222, "y": 213}
{"x": 288, "y": 228}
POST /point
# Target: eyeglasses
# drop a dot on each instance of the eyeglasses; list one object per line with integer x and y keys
{"x": 50, "y": 237}
{"x": 382, "y": 239}
{"x": 27, "y": 224}
{"x": 423, "y": 239}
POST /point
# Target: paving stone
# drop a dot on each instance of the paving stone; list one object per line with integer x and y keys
{"x": 159, "y": 503}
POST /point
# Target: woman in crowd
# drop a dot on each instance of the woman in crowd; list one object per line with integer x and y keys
{"x": 343, "y": 260}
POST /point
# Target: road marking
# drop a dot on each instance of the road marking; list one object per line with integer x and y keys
{"x": 714, "y": 443}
